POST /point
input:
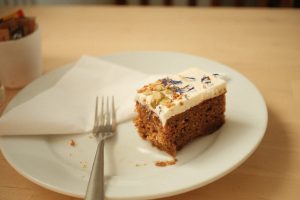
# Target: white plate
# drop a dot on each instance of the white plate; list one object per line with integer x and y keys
{"x": 130, "y": 171}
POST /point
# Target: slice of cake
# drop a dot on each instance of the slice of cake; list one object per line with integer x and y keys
{"x": 176, "y": 109}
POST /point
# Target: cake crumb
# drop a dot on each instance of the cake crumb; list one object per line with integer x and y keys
{"x": 140, "y": 165}
{"x": 83, "y": 164}
{"x": 165, "y": 163}
{"x": 72, "y": 143}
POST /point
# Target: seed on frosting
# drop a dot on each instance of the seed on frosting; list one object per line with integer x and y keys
{"x": 159, "y": 87}
{"x": 143, "y": 89}
{"x": 147, "y": 92}
{"x": 157, "y": 95}
{"x": 167, "y": 102}
{"x": 168, "y": 91}
{"x": 156, "y": 98}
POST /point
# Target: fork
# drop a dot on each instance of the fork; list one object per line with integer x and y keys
{"x": 104, "y": 127}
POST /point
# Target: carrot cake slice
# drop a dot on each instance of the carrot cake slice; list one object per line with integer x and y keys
{"x": 178, "y": 108}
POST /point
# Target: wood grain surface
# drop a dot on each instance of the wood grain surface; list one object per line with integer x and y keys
{"x": 262, "y": 44}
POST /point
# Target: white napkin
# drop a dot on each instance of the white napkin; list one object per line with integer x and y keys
{"x": 68, "y": 106}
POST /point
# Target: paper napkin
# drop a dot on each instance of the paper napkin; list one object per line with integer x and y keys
{"x": 68, "y": 106}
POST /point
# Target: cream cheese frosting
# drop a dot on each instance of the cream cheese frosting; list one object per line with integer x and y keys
{"x": 177, "y": 93}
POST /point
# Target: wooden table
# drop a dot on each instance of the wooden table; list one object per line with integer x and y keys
{"x": 262, "y": 44}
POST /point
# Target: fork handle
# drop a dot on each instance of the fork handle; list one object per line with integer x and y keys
{"x": 95, "y": 189}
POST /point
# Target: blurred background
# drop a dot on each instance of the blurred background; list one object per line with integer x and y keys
{"x": 240, "y": 3}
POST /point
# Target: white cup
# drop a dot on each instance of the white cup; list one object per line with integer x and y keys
{"x": 20, "y": 60}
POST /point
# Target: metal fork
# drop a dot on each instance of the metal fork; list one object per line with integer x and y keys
{"x": 104, "y": 128}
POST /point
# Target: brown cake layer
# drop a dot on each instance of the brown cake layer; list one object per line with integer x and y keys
{"x": 180, "y": 129}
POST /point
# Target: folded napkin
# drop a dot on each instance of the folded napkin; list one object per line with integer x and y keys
{"x": 68, "y": 106}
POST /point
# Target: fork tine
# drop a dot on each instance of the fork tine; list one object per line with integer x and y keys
{"x": 102, "y": 112}
{"x": 96, "y": 121}
{"x": 107, "y": 117}
{"x": 96, "y": 111}
{"x": 113, "y": 114}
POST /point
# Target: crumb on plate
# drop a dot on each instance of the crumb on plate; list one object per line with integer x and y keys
{"x": 72, "y": 143}
{"x": 165, "y": 163}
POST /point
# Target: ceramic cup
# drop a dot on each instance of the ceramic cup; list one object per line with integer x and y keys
{"x": 20, "y": 60}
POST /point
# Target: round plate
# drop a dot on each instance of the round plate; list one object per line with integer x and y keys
{"x": 130, "y": 172}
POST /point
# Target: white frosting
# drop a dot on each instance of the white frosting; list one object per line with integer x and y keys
{"x": 193, "y": 86}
